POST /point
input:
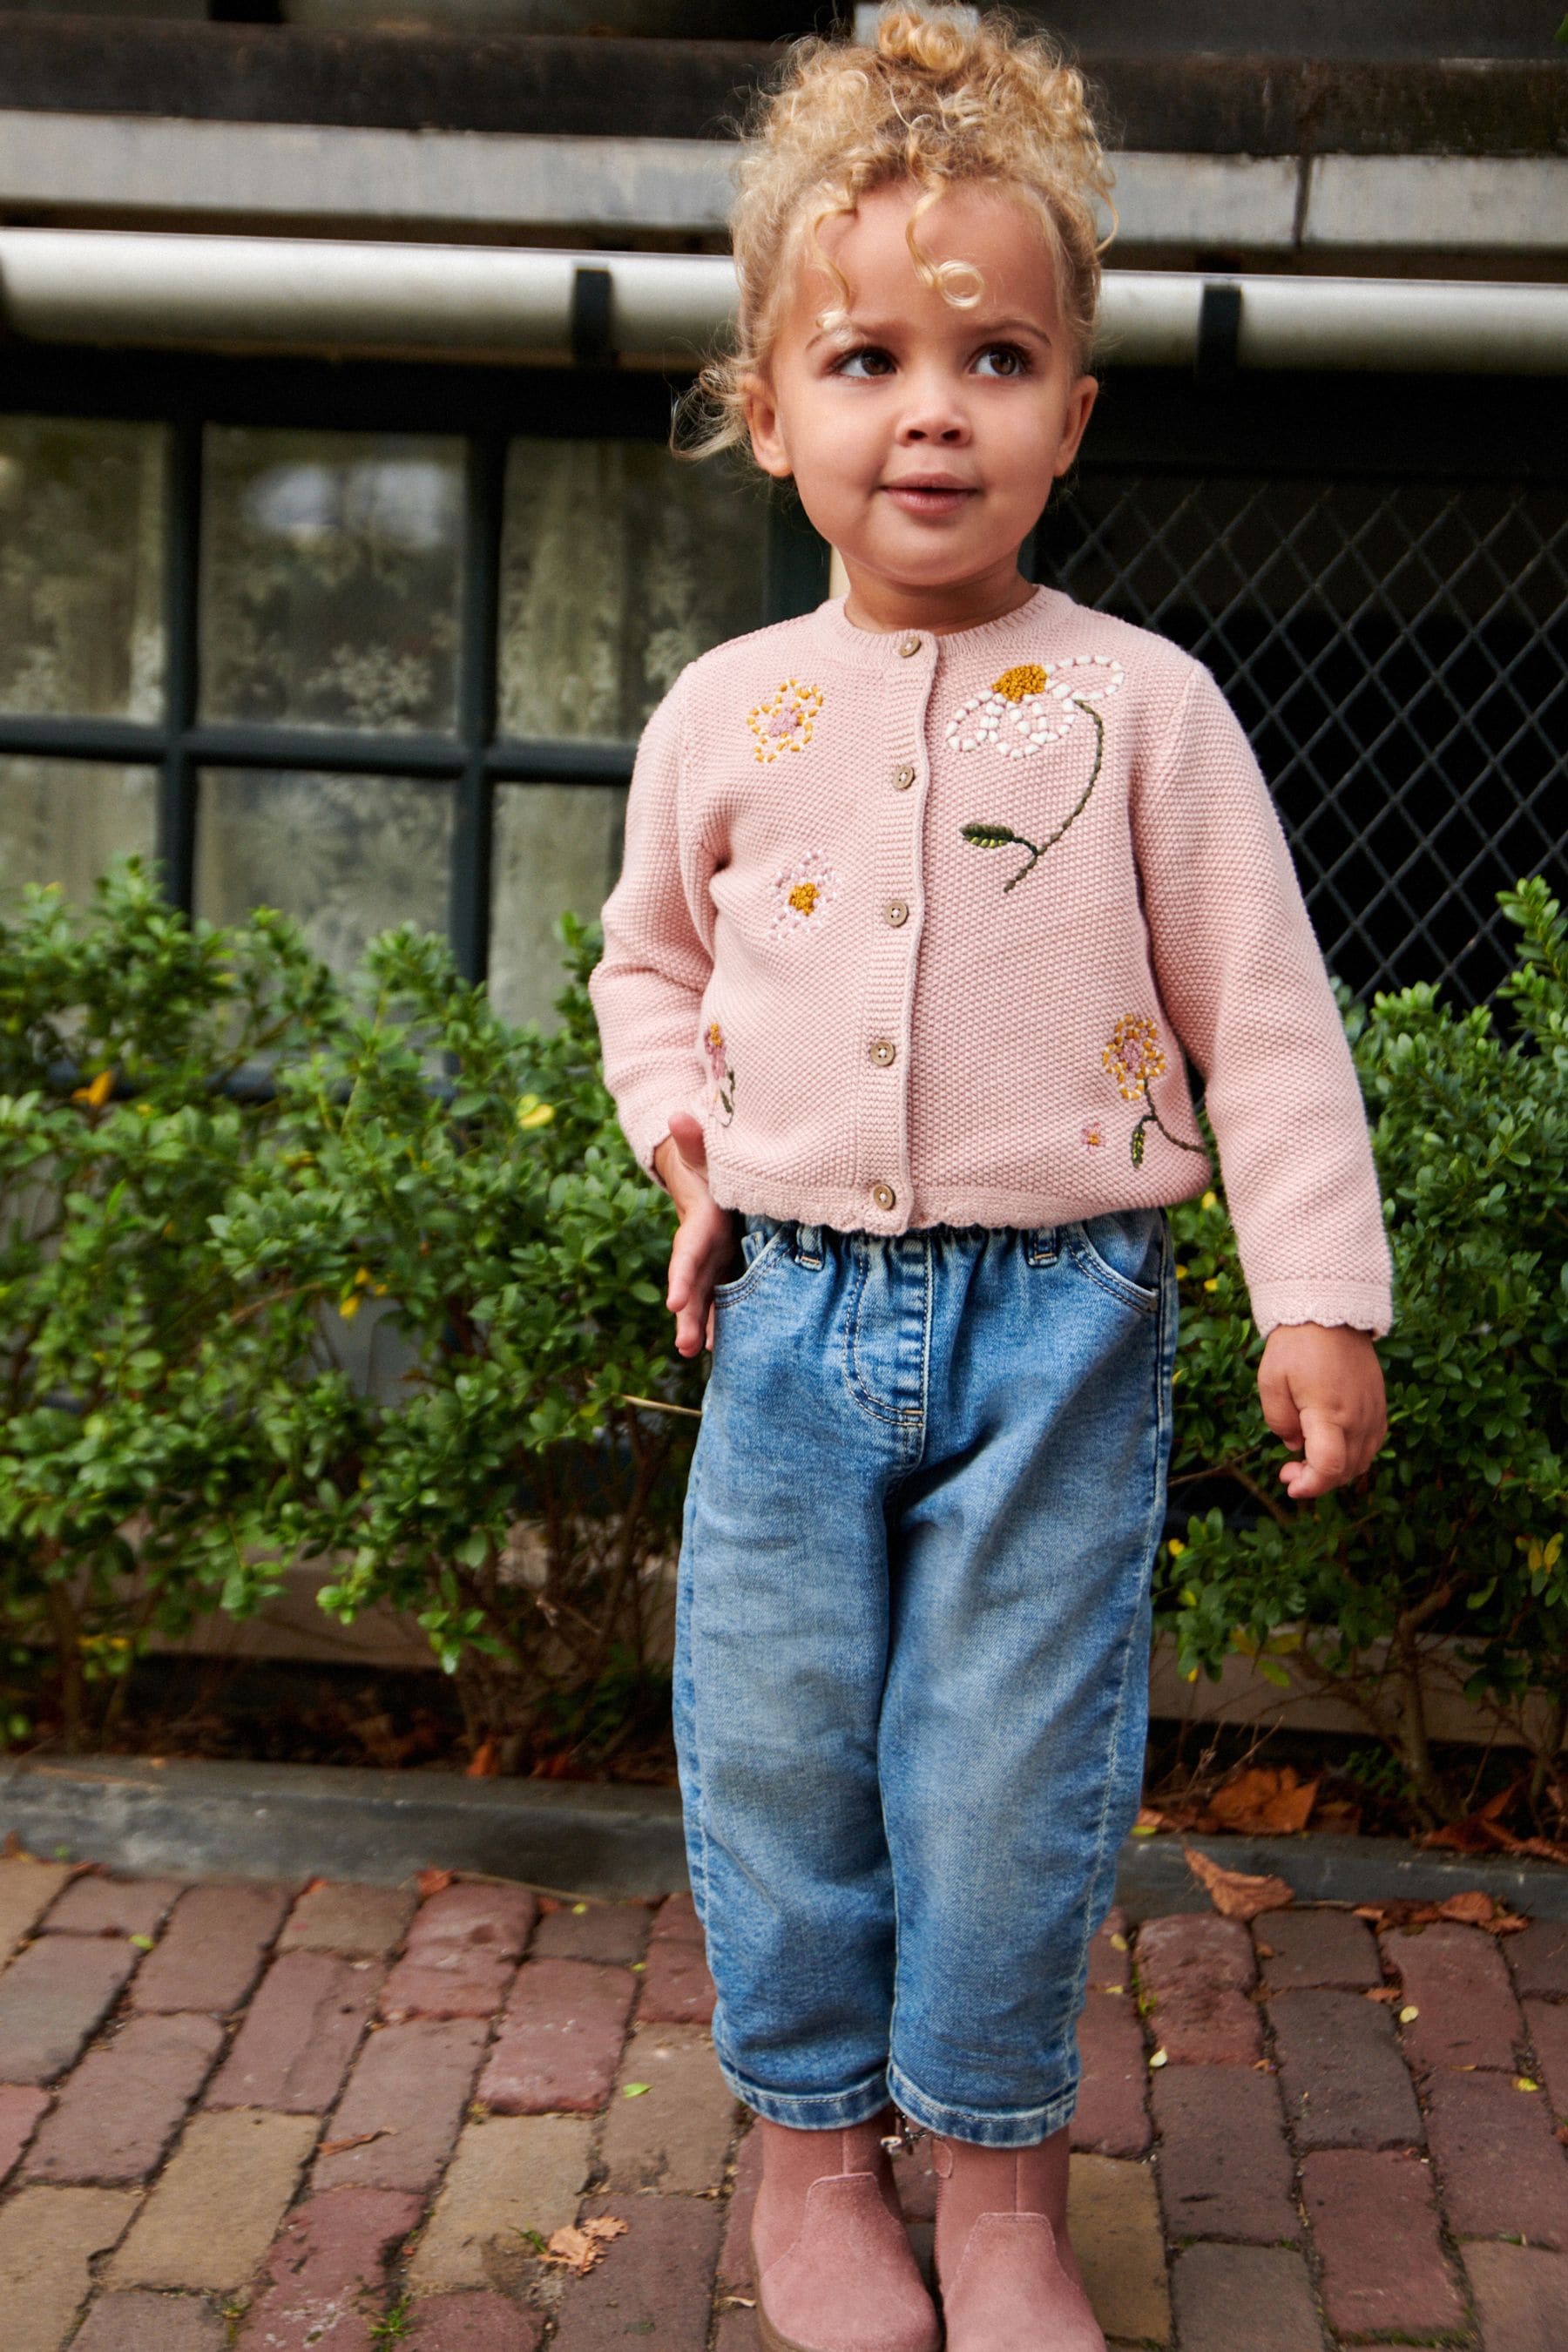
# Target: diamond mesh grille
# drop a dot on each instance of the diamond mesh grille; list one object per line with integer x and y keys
{"x": 1398, "y": 653}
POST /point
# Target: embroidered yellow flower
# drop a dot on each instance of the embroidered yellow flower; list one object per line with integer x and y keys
{"x": 786, "y": 721}
{"x": 802, "y": 894}
{"x": 1030, "y": 707}
{"x": 1134, "y": 1057}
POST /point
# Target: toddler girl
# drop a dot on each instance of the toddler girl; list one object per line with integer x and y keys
{"x": 928, "y": 898}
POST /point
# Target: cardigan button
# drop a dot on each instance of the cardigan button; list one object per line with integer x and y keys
{"x": 903, "y": 778}
{"x": 884, "y": 1196}
{"x": 895, "y": 911}
{"x": 907, "y": 645}
{"x": 883, "y": 1052}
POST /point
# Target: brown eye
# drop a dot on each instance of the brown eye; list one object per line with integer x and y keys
{"x": 868, "y": 361}
{"x": 1007, "y": 360}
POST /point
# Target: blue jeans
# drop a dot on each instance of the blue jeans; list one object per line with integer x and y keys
{"x": 912, "y": 1656}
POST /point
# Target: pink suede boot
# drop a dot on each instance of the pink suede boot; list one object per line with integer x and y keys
{"x": 1006, "y": 2270}
{"x": 833, "y": 2266}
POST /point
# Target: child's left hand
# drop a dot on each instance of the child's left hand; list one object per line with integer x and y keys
{"x": 1321, "y": 1386}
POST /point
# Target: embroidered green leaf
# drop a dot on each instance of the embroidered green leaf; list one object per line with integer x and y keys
{"x": 992, "y": 836}
{"x": 1138, "y": 1145}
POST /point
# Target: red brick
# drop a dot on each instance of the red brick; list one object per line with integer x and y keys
{"x": 1539, "y": 1957}
{"x": 1226, "y": 2170}
{"x": 410, "y": 2089}
{"x": 613, "y": 1932}
{"x": 125, "y": 2102}
{"x": 1244, "y": 2299}
{"x": 1502, "y": 2171}
{"x": 1375, "y": 2223}
{"x": 299, "y": 2035}
{"x": 655, "y": 2282}
{"x": 211, "y": 1952}
{"x": 676, "y": 1988}
{"x": 326, "y": 2272}
{"x": 361, "y": 1923}
{"x": 139, "y": 2321}
{"x": 473, "y": 2323}
{"x": 1546, "y": 2023}
{"x": 560, "y": 2039}
{"x": 735, "y": 2254}
{"x": 1194, "y": 1949}
{"x": 53, "y": 1999}
{"x": 1111, "y": 1955}
{"x": 95, "y": 1905}
{"x": 1458, "y": 1981}
{"x": 737, "y": 2332}
{"x": 1195, "y": 1971}
{"x": 474, "y": 1916}
{"x": 1343, "y": 2080}
{"x": 20, "y": 2108}
{"x": 1521, "y": 2296}
{"x": 1113, "y": 2112}
{"x": 676, "y": 1917}
{"x": 467, "y": 1984}
{"x": 1313, "y": 1946}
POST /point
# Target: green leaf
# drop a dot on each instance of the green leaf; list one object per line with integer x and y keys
{"x": 982, "y": 835}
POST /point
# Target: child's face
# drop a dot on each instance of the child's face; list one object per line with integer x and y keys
{"x": 985, "y": 407}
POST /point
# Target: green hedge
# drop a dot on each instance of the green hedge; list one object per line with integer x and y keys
{"x": 183, "y": 1260}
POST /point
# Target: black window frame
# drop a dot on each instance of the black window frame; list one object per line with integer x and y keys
{"x": 485, "y": 408}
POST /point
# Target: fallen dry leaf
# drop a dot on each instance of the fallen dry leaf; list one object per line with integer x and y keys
{"x": 434, "y": 1882}
{"x": 573, "y": 2249}
{"x": 1237, "y": 1894}
{"x": 13, "y": 1849}
{"x": 1472, "y": 1908}
{"x": 1382, "y": 1993}
{"x": 1266, "y": 1800}
{"x": 484, "y": 1764}
{"x": 360, "y": 2139}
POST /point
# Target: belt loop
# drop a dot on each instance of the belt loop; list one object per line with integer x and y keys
{"x": 1043, "y": 1245}
{"x": 808, "y": 1246}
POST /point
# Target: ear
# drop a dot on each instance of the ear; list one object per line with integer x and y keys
{"x": 760, "y": 408}
{"x": 1079, "y": 408}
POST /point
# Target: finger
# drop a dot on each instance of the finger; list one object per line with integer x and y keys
{"x": 709, "y": 1337}
{"x": 687, "y": 1136}
{"x": 1274, "y": 1394}
{"x": 1327, "y": 1465}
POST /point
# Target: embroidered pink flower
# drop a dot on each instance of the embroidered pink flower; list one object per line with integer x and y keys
{"x": 785, "y": 721}
{"x": 1093, "y": 1135}
{"x": 802, "y": 894}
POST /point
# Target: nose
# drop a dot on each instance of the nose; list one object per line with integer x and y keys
{"x": 933, "y": 412}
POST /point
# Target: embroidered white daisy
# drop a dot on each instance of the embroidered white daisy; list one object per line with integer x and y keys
{"x": 802, "y": 894}
{"x": 1030, "y": 707}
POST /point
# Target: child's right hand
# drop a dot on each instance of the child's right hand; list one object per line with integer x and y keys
{"x": 704, "y": 1243}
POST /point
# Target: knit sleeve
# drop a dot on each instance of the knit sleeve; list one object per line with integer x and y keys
{"x": 1243, "y": 980}
{"x": 647, "y": 990}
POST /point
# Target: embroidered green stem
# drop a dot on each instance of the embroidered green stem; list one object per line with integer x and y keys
{"x": 982, "y": 835}
{"x": 726, "y": 1094}
{"x": 1152, "y": 1113}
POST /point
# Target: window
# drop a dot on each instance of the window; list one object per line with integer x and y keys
{"x": 378, "y": 665}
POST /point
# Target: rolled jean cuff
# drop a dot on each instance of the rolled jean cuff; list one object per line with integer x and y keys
{"x": 1009, "y": 2128}
{"x": 810, "y": 2110}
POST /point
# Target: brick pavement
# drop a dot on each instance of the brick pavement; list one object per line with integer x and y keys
{"x": 279, "y": 2116}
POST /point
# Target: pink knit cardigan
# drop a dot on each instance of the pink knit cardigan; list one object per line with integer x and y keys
{"x": 923, "y": 927}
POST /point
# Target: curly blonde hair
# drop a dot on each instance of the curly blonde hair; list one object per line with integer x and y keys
{"x": 937, "y": 102}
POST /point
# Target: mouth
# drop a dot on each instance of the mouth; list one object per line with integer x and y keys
{"x": 929, "y": 494}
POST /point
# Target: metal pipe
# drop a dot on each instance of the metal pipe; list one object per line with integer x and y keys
{"x": 467, "y": 302}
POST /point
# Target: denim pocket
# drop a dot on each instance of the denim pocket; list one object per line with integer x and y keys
{"x": 1123, "y": 1250}
{"x": 761, "y": 1242}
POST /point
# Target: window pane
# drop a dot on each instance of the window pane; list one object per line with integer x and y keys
{"x": 329, "y": 578}
{"x": 346, "y": 856}
{"x": 66, "y": 820}
{"x": 620, "y": 565}
{"x": 556, "y": 845}
{"x": 81, "y": 568}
